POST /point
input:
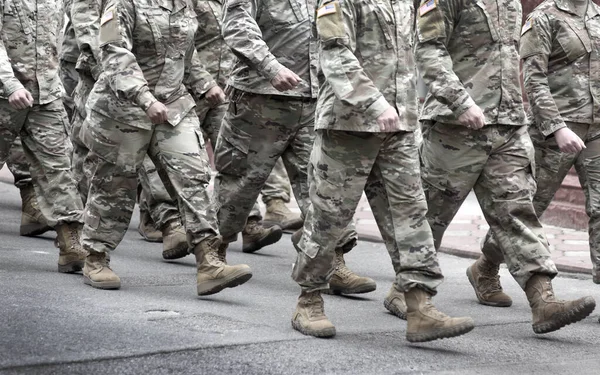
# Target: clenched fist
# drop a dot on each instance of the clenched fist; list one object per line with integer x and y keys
{"x": 473, "y": 118}
{"x": 389, "y": 121}
{"x": 285, "y": 80}
{"x": 20, "y": 99}
{"x": 157, "y": 113}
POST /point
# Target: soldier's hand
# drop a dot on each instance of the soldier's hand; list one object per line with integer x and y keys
{"x": 389, "y": 121}
{"x": 473, "y": 118}
{"x": 215, "y": 96}
{"x": 157, "y": 113}
{"x": 20, "y": 99}
{"x": 285, "y": 80}
{"x": 568, "y": 141}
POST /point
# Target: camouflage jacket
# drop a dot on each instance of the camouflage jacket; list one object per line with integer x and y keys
{"x": 366, "y": 63}
{"x": 28, "y": 50}
{"x": 68, "y": 46}
{"x": 561, "y": 64}
{"x": 85, "y": 18}
{"x": 466, "y": 51}
{"x": 147, "y": 54}
{"x": 267, "y": 34}
{"x": 212, "y": 50}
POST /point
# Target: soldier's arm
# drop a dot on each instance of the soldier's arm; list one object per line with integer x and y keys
{"x": 85, "y": 18}
{"x": 206, "y": 14}
{"x": 10, "y": 83}
{"x": 242, "y": 34}
{"x": 118, "y": 63}
{"x": 336, "y": 28}
{"x": 535, "y": 50}
{"x": 197, "y": 79}
{"x": 435, "y": 24}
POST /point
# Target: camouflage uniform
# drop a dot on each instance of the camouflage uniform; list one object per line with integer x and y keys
{"x": 263, "y": 124}
{"x": 561, "y": 66}
{"x": 29, "y": 60}
{"x": 277, "y": 185}
{"x": 354, "y": 93}
{"x": 69, "y": 53}
{"x": 467, "y": 54}
{"x": 147, "y": 55}
{"x": 18, "y": 165}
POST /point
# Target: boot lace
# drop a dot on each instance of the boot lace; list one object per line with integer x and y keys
{"x": 489, "y": 278}
{"x": 252, "y": 227}
{"x": 433, "y": 311}
{"x": 316, "y": 308}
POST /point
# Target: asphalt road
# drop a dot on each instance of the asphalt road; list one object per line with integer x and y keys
{"x": 52, "y": 323}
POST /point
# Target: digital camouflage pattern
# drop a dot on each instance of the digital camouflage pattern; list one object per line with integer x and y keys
{"x": 18, "y": 165}
{"x": 277, "y": 185}
{"x": 29, "y": 59}
{"x": 359, "y": 40}
{"x": 466, "y": 52}
{"x": 560, "y": 54}
{"x": 266, "y": 35}
{"x": 147, "y": 54}
{"x": 69, "y": 53}
{"x": 159, "y": 204}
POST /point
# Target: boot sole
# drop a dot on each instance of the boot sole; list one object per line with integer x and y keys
{"x": 480, "y": 298}
{"x": 71, "y": 267}
{"x": 323, "y": 334}
{"x": 394, "y": 310}
{"x": 287, "y": 226}
{"x": 32, "y": 230}
{"x": 106, "y": 285}
{"x": 442, "y": 333}
{"x": 573, "y": 316}
{"x": 215, "y": 286}
{"x": 177, "y": 253}
{"x": 272, "y": 238}
{"x": 359, "y": 290}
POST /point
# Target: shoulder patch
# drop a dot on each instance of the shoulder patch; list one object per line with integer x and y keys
{"x": 427, "y": 7}
{"x": 326, "y": 9}
{"x": 527, "y": 26}
{"x": 330, "y": 21}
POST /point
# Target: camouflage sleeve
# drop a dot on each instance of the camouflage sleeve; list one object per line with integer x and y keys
{"x": 535, "y": 50}
{"x": 207, "y": 34}
{"x": 9, "y": 82}
{"x": 435, "y": 24}
{"x": 119, "y": 64}
{"x": 337, "y": 33}
{"x": 242, "y": 34}
{"x": 197, "y": 79}
{"x": 85, "y": 18}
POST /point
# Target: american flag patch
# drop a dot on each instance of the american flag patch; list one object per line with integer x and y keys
{"x": 527, "y": 26}
{"x": 326, "y": 9}
{"x": 427, "y": 7}
{"x": 107, "y": 16}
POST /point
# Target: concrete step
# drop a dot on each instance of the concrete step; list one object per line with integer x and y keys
{"x": 566, "y": 215}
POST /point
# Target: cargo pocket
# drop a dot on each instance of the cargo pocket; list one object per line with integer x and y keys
{"x": 231, "y": 150}
{"x": 97, "y": 136}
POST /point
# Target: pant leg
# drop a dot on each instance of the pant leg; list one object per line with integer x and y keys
{"x": 277, "y": 185}
{"x": 81, "y": 164}
{"x": 161, "y": 206}
{"x": 505, "y": 192}
{"x": 588, "y": 169}
{"x": 256, "y": 131}
{"x": 69, "y": 78}
{"x": 18, "y": 165}
{"x": 452, "y": 159}
{"x": 398, "y": 203}
{"x": 116, "y": 151}
{"x": 182, "y": 164}
{"x": 338, "y": 174}
{"x": 551, "y": 167}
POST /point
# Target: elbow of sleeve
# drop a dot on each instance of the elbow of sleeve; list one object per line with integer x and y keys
{"x": 377, "y": 108}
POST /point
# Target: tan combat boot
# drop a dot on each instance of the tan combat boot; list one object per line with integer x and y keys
{"x": 550, "y": 314}
{"x": 344, "y": 281}
{"x": 309, "y": 317}
{"x": 147, "y": 230}
{"x": 175, "y": 244}
{"x": 395, "y": 303}
{"x": 97, "y": 272}
{"x": 33, "y": 223}
{"x": 426, "y": 323}
{"x": 485, "y": 279}
{"x": 279, "y": 214}
{"x": 213, "y": 274}
{"x": 255, "y": 236}
{"x": 71, "y": 256}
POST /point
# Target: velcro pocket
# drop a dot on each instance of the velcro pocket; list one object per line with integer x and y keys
{"x": 231, "y": 150}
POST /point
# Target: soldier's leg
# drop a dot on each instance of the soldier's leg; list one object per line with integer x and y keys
{"x": 163, "y": 210}
{"x": 18, "y": 165}
{"x": 182, "y": 163}
{"x": 275, "y": 195}
{"x": 69, "y": 78}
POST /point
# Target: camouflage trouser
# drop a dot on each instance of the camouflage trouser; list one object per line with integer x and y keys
{"x": 69, "y": 78}
{"x": 118, "y": 151}
{"x": 256, "y": 131}
{"x": 386, "y": 167}
{"x": 18, "y": 165}
{"x": 46, "y": 146}
{"x": 277, "y": 185}
{"x": 552, "y": 166}
{"x": 496, "y": 162}
{"x": 154, "y": 197}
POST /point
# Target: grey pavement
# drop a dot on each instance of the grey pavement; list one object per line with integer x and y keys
{"x": 52, "y": 323}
